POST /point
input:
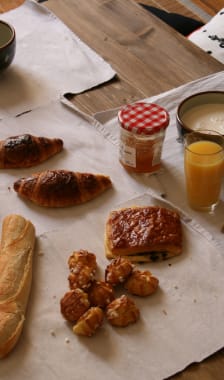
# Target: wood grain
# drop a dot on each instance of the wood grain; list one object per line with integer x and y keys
{"x": 210, "y": 6}
{"x": 171, "y": 6}
{"x": 148, "y": 55}
{"x": 6, "y": 5}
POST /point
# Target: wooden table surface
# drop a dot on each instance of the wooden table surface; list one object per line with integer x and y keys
{"x": 149, "y": 58}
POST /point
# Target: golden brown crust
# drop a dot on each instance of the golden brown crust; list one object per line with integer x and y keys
{"x": 16, "y": 256}
{"x": 61, "y": 188}
{"x": 11, "y": 325}
{"x": 122, "y": 311}
{"x": 141, "y": 283}
{"x": 26, "y": 150}
{"x": 74, "y": 303}
{"x": 100, "y": 294}
{"x": 153, "y": 232}
{"x": 82, "y": 265}
{"x": 89, "y": 322}
{"x": 81, "y": 259}
{"x": 118, "y": 271}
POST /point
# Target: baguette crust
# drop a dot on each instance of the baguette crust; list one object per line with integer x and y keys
{"x": 16, "y": 255}
{"x": 143, "y": 234}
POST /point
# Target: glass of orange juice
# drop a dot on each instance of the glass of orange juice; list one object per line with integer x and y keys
{"x": 204, "y": 168}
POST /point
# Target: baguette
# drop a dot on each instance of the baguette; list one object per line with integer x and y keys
{"x": 24, "y": 151}
{"x": 61, "y": 188}
{"x": 16, "y": 256}
{"x": 143, "y": 234}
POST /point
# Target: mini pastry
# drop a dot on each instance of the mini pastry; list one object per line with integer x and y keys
{"x": 24, "y": 151}
{"x": 82, "y": 258}
{"x": 74, "y": 304}
{"x": 122, "y": 311}
{"x": 141, "y": 283}
{"x": 100, "y": 294}
{"x": 143, "y": 233}
{"x": 118, "y": 271}
{"x": 89, "y": 322}
{"x": 61, "y": 188}
{"x": 82, "y": 265}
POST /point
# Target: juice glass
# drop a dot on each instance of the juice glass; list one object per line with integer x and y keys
{"x": 204, "y": 168}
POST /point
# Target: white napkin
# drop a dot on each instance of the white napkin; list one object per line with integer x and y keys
{"x": 210, "y": 37}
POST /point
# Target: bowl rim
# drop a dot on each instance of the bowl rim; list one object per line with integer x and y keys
{"x": 180, "y": 121}
{"x": 12, "y": 36}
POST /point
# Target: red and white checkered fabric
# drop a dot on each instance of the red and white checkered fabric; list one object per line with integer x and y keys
{"x": 143, "y": 118}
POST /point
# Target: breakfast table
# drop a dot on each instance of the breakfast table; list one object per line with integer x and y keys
{"x": 122, "y": 54}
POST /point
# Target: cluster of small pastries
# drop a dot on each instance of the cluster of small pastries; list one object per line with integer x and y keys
{"x": 83, "y": 304}
{"x": 89, "y": 299}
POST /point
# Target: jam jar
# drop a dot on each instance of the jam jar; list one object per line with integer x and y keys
{"x": 142, "y": 132}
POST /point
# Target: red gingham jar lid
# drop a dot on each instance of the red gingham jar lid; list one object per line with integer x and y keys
{"x": 143, "y": 118}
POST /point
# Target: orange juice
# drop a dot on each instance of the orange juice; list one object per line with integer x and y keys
{"x": 203, "y": 172}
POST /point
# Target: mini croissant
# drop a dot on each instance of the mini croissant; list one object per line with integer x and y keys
{"x": 61, "y": 188}
{"x": 24, "y": 151}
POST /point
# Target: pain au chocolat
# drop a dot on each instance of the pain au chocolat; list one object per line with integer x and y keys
{"x": 25, "y": 150}
{"x": 143, "y": 234}
{"x": 61, "y": 188}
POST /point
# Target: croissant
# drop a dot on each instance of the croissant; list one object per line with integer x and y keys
{"x": 61, "y": 188}
{"x": 24, "y": 151}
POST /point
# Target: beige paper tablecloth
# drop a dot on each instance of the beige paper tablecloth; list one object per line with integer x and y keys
{"x": 179, "y": 324}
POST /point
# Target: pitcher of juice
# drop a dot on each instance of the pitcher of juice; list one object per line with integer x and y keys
{"x": 204, "y": 168}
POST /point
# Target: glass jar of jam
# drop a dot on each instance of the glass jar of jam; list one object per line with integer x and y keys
{"x": 142, "y": 132}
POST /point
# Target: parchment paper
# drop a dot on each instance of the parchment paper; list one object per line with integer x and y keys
{"x": 50, "y": 60}
{"x": 180, "y": 324}
{"x": 85, "y": 150}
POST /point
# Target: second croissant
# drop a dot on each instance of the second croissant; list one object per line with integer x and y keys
{"x": 61, "y": 188}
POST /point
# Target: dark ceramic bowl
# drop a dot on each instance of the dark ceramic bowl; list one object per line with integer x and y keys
{"x": 7, "y": 44}
{"x": 203, "y": 110}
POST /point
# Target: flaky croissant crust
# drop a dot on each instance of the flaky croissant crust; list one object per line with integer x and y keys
{"x": 26, "y": 150}
{"x": 61, "y": 188}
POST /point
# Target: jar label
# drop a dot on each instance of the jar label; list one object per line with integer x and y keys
{"x": 157, "y": 151}
{"x": 128, "y": 155}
